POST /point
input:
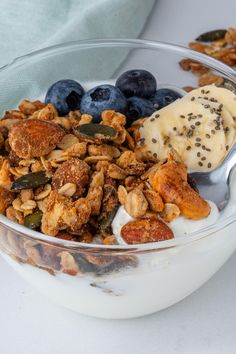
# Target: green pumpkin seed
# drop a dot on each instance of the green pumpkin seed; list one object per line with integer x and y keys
{"x": 107, "y": 219}
{"x": 94, "y": 130}
{"x": 30, "y": 181}
{"x": 33, "y": 221}
{"x": 212, "y": 35}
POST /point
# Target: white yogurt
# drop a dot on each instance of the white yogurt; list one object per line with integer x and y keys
{"x": 180, "y": 226}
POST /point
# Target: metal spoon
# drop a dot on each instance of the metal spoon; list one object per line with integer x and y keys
{"x": 214, "y": 185}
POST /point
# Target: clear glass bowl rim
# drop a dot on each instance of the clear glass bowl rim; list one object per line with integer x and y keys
{"x": 134, "y": 44}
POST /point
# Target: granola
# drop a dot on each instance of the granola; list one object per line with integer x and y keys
{"x": 221, "y": 46}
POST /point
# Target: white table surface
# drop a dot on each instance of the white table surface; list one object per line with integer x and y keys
{"x": 203, "y": 323}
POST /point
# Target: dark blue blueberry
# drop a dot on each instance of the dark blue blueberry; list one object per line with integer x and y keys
{"x": 163, "y": 97}
{"x": 138, "y": 108}
{"x": 101, "y": 98}
{"x": 139, "y": 83}
{"x": 65, "y": 95}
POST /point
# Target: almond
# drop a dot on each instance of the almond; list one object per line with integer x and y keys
{"x": 144, "y": 230}
{"x": 33, "y": 138}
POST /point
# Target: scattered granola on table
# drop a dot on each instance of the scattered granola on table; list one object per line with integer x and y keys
{"x": 218, "y": 44}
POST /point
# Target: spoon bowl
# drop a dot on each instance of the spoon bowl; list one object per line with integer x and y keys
{"x": 215, "y": 185}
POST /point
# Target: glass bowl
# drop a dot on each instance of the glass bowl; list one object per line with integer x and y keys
{"x": 117, "y": 281}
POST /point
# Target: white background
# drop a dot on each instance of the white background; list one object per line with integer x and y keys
{"x": 203, "y": 323}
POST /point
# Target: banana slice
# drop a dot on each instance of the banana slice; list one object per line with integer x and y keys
{"x": 225, "y": 120}
{"x": 188, "y": 127}
{"x": 218, "y": 95}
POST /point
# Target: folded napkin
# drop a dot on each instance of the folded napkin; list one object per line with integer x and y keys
{"x": 28, "y": 25}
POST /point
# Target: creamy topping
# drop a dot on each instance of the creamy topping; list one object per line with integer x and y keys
{"x": 180, "y": 226}
{"x": 200, "y": 127}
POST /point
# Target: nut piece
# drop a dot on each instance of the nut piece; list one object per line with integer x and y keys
{"x": 136, "y": 204}
{"x": 72, "y": 171}
{"x": 146, "y": 230}
{"x": 170, "y": 212}
{"x": 154, "y": 199}
{"x": 33, "y": 138}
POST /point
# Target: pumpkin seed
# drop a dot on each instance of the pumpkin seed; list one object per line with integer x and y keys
{"x": 33, "y": 221}
{"x": 107, "y": 219}
{"x": 212, "y": 35}
{"x": 94, "y": 130}
{"x": 30, "y": 181}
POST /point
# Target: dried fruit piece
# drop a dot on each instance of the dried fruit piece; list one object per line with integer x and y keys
{"x": 212, "y": 35}
{"x": 170, "y": 180}
{"x": 31, "y": 181}
{"x": 33, "y": 221}
{"x": 94, "y": 130}
{"x": 145, "y": 230}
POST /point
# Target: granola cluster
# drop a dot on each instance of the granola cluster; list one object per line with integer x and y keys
{"x": 67, "y": 176}
{"x": 221, "y": 46}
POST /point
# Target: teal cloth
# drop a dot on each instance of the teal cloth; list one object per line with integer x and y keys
{"x": 28, "y": 25}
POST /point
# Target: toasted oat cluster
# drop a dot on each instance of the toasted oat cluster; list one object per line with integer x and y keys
{"x": 220, "y": 45}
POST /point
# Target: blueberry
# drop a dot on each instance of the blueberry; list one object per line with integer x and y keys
{"x": 65, "y": 95}
{"x": 163, "y": 97}
{"x": 101, "y": 98}
{"x": 137, "y": 108}
{"x": 139, "y": 83}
